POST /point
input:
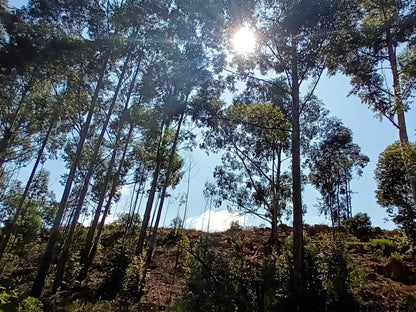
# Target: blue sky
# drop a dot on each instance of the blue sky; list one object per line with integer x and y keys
{"x": 370, "y": 133}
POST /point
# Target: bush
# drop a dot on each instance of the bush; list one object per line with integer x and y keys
{"x": 6, "y": 296}
{"x": 116, "y": 271}
{"x": 359, "y": 225}
{"x": 317, "y": 229}
{"x": 30, "y": 304}
{"x": 384, "y": 245}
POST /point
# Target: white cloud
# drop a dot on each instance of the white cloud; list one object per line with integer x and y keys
{"x": 87, "y": 221}
{"x": 218, "y": 220}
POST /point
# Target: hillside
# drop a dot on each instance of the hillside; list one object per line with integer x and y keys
{"x": 230, "y": 271}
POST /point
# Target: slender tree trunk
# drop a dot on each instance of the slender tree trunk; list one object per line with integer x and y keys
{"x": 53, "y": 236}
{"x": 296, "y": 179}
{"x": 64, "y": 254}
{"x": 85, "y": 253}
{"x": 274, "y": 239}
{"x": 348, "y": 198}
{"x": 399, "y": 108}
{"x": 166, "y": 184}
{"x": 114, "y": 185}
{"x": 19, "y": 209}
{"x": 93, "y": 226}
{"x": 132, "y": 226}
{"x": 150, "y": 200}
{"x": 169, "y": 170}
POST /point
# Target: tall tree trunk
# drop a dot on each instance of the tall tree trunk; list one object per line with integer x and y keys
{"x": 166, "y": 184}
{"x": 53, "y": 236}
{"x": 347, "y": 196}
{"x": 19, "y": 209}
{"x": 399, "y": 108}
{"x": 85, "y": 253}
{"x": 296, "y": 179}
{"x": 169, "y": 170}
{"x": 150, "y": 200}
{"x": 114, "y": 185}
{"x": 65, "y": 250}
{"x": 275, "y": 206}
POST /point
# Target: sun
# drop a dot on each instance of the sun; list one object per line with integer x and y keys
{"x": 244, "y": 40}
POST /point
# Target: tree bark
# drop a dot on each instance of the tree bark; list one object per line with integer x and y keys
{"x": 85, "y": 253}
{"x": 150, "y": 200}
{"x": 53, "y": 236}
{"x": 65, "y": 250}
{"x": 399, "y": 108}
{"x": 296, "y": 179}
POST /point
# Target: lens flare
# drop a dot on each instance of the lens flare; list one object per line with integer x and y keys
{"x": 244, "y": 40}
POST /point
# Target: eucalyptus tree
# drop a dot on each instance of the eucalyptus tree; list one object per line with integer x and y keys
{"x": 366, "y": 49}
{"x": 186, "y": 76}
{"x": 31, "y": 69}
{"x": 190, "y": 78}
{"x": 96, "y": 29}
{"x": 47, "y": 124}
{"x": 394, "y": 190}
{"x": 252, "y": 177}
{"x": 39, "y": 116}
{"x": 20, "y": 75}
{"x": 37, "y": 210}
{"x": 293, "y": 36}
{"x": 135, "y": 117}
{"x": 332, "y": 163}
{"x": 138, "y": 33}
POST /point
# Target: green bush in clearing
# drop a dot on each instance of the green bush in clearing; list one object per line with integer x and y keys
{"x": 30, "y": 304}
{"x": 386, "y": 246}
{"x": 359, "y": 225}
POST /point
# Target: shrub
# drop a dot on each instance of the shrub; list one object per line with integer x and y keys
{"x": 397, "y": 255}
{"x": 384, "y": 245}
{"x": 359, "y": 225}
{"x": 30, "y": 304}
{"x": 116, "y": 271}
{"x": 339, "y": 278}
{"x": 134, "y": 274}
{"x": 317, "y": 229}
{"x": 5, "y": 296}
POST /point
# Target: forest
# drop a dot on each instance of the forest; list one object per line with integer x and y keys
{"x": 116, "y": 91}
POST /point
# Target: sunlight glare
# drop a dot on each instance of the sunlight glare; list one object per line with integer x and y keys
{"x": 244, "y": 40}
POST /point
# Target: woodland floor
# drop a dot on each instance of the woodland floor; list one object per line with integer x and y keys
{"x": 390, "y": 283}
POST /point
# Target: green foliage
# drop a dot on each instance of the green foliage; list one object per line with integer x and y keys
{"x": 72, "y": 270}
{"x": 30, "y": 304}
{"x": 365, "y": 33}
{"x": 381, "y": 245}
{"x": 176, "y": 223}
{"x": 393, "y": 185}
{"x": 254, "y": 137}
{"x": 332, "y": 163}
{"x": 222, "y": 284}
{"x": 134, "y": 274}
{"x": 6, "y": 296}
{"x": 233, "y": 281}
{"x": 359, "y": 225}
{"x": 129, "y": 220}
{"x": 339, "y": 295}
{"x": 116, "y": 267}
{"x": 357, "y": 283}
{"x": 397, "y": 255}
